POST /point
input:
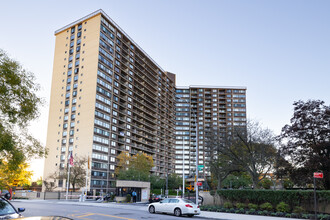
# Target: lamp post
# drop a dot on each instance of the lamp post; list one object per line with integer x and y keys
{"x": 183, "y": 180}
{"x": 183, "y": 162}
{"x": 196, "y": 187}
{"x": 183, "y": 173}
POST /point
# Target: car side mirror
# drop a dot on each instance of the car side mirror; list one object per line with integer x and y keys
{"x": 21, "y": 209}
{"x": 7, "y": 196}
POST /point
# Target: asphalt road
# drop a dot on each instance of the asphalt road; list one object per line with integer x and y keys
{"x": 90, "y": 211}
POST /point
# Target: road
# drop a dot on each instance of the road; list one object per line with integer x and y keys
{"x": 90, "y": 211}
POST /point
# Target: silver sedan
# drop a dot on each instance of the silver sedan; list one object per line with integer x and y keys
{"x": 176, "y": 206}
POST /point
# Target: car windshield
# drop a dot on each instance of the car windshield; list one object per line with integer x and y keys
{"x": 6, "y": 208}
{"x": 187, "y": 201}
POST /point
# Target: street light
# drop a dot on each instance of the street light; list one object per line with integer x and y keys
{"x": 197, "y": 154}
{"x": 183, "y": 169}
{"x": 196, "y": 187}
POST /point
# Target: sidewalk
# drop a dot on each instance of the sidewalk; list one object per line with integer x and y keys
{"x": 231, "y": 216}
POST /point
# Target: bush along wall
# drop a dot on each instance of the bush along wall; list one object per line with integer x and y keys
{"x": 292, "y": 197}
{"x": 281, "y": 203}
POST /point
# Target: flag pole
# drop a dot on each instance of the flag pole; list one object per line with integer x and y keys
{"x": 87, "y": 174}
{"x": 67, "y": 182}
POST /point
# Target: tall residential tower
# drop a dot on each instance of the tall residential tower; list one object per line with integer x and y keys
{"x": 198, "y": 110}
{"x": 107, "y": 96}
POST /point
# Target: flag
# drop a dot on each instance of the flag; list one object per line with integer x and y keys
{"x": 71, "y": 160}
{"x": 88, "y": 161}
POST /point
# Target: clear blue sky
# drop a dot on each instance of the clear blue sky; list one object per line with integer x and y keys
{"x": 279, "y": 50}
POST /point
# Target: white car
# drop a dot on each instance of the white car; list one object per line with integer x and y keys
{"x": 176, "y": 206}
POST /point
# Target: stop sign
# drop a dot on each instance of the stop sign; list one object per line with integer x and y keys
{"x": 318, "y": 175}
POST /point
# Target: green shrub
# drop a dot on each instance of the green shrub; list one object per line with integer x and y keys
{"x": 212, "y": 192}
{"x": 228, "y": 205}
{"x": 237, "y": 212}
{"x": 252, "y": 211}
{"x": 252, "y": 206}
{"x": 325, "y": 217}
{"x": 260, "y": 213}
{"x": 112, "y": 197}
{"x": 295, "y": 215}
{"x": 266, "y": 183}
{"x": 305, "y": 216}
{"x": 241, "y": 210}
{"x": 288, "y": 215}
{"x": 266, "y": 206}
{"x": 265, "y": 212}
{"x": 273, "y": 214}
{"x": 240, "y": 205}
{"x": 232, "y": 210}
{"x": 128, "y": 198}
{"x": 280, "y": 214}
{"x": 291, "y": 197}
{"x": 298, "y": 209}
{"x": 282, "y": 207}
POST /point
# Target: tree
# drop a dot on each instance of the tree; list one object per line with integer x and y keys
{"x": 220, "y": 164}
{"x": 122, "y": 162}
{"x": 156, "y": 182}
{"x": 18, "y": 177}
{"x": 19, "y": 104}
{"x": 305, "y": 141}
{"x": 249, "y": 149}
{"x": 174, "y": 181}
{"x": 136, "y": 167}
{"x": 77, "y": 173}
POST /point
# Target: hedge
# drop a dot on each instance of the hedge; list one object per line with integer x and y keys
{"x": 292, "y": 197}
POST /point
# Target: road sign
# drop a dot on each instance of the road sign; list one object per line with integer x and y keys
{"x": 200, "y": 167}
{"x": 199, "y": 183}
{"x": 318, "y": 175}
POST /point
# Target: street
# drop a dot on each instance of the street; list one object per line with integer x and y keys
{"x": 89, "y": 211}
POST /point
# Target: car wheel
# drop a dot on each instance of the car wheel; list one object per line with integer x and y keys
{"x": 177, "y": 212}
{"x": 152, "y": 209}
{"x": 190, "y": 215}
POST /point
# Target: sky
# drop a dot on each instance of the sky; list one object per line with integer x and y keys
{"x": 279, "y": 49}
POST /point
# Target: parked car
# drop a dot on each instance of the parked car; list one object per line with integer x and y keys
{"x": 155, "y": 198}
{"x": 176, "y": 206}
{"x": 8, "y": 211}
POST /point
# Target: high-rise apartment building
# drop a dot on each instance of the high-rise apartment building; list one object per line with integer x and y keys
{"x": 198, "y": 110}
{"x": 107, "y": 96}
